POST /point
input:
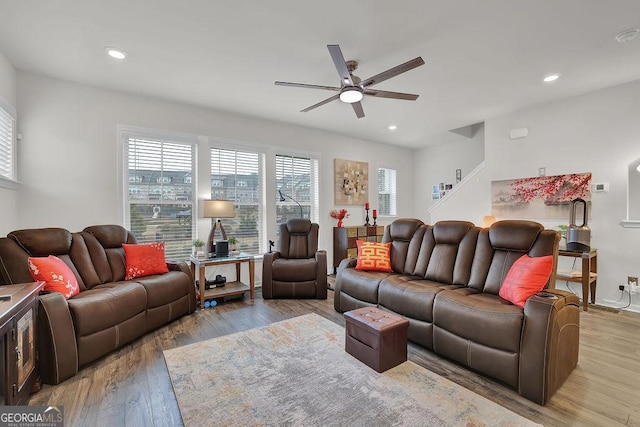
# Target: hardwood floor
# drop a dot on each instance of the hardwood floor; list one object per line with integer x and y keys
{"x": 131, "y": 387}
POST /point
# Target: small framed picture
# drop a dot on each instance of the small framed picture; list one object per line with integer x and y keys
{"x": 458, "y": 175}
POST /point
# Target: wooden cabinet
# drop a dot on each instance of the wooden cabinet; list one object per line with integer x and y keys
{"x": 344, "y": 241}
{"x": 18, "y": 370}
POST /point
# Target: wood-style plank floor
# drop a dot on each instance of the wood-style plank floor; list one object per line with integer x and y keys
{"x": 131, "y": 386}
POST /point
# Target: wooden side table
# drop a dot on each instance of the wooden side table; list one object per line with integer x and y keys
{"x": 588, "y": 276}
{"x": 18, "y": 314}
{"x": 230, "y": 288}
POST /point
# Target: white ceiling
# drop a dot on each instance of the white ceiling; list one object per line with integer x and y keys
{"x": 483, "y": 58}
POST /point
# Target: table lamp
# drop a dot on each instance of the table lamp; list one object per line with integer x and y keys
{"x": 487, "y": 220}
{"x": 217, "y": 209}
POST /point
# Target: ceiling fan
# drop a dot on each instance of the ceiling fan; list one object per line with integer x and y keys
{"x": 352, "y": 89}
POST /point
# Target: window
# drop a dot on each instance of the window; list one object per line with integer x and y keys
{"x": 238, "y": 175}
{"x": 160, "y": 208}
{"x": 297, "y": 184}
{"x": 7, "y": 142}
{"x": 386, "y": 191}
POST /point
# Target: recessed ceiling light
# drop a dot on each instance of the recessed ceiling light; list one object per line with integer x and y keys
{"x": 114, "y": 52}
{"x": 551, "y": 78}
{"x": 392, "y": 127}
{"x": 627, "y": 35}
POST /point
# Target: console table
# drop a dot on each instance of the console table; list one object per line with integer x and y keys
{"x": 18, "y": 370}
{"x": 230, "y": 288}
{"x": 588, "y": 275}
{"x": 344, "y": 241}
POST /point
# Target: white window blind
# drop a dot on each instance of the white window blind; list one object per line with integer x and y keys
{"x": 160, "y": 205}
{"x": 297, "y": 181}
{"x": 386, "y": 191}
{"x": 238, "y": 176}
{"x": 7, "y": 145}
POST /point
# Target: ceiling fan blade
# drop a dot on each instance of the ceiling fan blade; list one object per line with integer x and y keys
{"x": 392, "y": 72}
{"x": 304, "y": 85}
{"x": 341, "y": 65}
{"x": 326, "y": 101}
{"x": 357, "y": 107}
{"x": 394, "y": 95}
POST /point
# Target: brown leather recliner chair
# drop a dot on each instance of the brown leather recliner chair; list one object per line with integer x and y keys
{"x": 298, "y": 269}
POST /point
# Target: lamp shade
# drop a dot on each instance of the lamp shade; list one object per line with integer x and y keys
{"x": 218, "y": 209}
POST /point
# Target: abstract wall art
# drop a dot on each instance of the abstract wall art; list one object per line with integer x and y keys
{"x": 351, "y": 182}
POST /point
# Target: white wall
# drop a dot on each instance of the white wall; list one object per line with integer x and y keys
{"x": 8, "y": 197}
{"x": 438, "y": 163}
{"x": 69, "y": 152}
{"x": 597, "y": 132}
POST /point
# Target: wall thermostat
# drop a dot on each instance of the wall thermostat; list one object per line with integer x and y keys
{"x": 599, "y": 187}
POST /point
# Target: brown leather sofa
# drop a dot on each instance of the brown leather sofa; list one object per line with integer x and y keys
{"x": 109, "y": 311}
{"x": 297, "y": 269}
{"x": 446, "y": 279}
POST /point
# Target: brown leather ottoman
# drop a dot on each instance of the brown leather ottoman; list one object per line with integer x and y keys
{"x": 376, "y": 337}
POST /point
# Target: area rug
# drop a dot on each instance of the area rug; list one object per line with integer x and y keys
{"x": 296, "y": 372}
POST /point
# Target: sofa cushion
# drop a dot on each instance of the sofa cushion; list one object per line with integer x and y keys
{"x": 57, "y": 276}
{"x": 107, "y": 305}
{"x": 526, "y": 277}
{"x": 145, "y": 259}
{"x": 43, "y": 241}
{"x": 411, "y": 296}
{"x": 480, "y": 318}
{"x": 362, "y": 285}
{"x": 374, "y": 256}
{"x": 294, "y": 270}
{"x": 165, "y": 288}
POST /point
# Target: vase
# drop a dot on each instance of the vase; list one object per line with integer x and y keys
{"x": 339, "y": 223}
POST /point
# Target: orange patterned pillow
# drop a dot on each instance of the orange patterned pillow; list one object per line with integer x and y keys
{"x": 374, "y": 256}
{"x": 57, "y": 275}
{"x": 526, "y": 277}
{"x": 144, "y": 260}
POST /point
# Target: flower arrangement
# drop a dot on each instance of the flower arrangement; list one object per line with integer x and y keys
{"x": 339, "y": 215}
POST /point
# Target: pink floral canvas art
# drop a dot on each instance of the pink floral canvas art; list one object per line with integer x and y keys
{"x": 540, "y": 197}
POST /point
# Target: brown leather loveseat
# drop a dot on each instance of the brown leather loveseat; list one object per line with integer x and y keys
{"x": 109, "y": 311}
{"x": 446, "y": 279}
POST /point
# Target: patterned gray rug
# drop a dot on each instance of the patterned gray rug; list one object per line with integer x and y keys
{"x": 296, "y": 372}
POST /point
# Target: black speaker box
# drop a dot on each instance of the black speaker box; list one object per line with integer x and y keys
{"x": 222, "y": 248}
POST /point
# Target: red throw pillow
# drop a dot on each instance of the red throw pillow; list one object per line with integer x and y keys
{"x": 144, "y": 260}
{"x": 57, "y": 275}
{"x": 374, "y": 256}
{"x": 526, "y": 277}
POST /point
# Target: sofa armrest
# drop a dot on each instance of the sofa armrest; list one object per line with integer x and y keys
{"x": 321, "y": 274}
{"x": 184, "y": 267}
{"x": 180, "y": 266}
{"x": 267, "y": 274}
{"x": 344, "y": 264}
{"x": 57, "y": 348}
{"x": 550, "y": 344}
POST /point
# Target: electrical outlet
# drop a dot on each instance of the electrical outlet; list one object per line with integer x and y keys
{"x": 632, "y": 281}
{"x": 621, "y": 287}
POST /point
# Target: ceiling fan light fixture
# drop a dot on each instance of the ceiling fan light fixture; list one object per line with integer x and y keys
{"x": 351, "y": 95}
